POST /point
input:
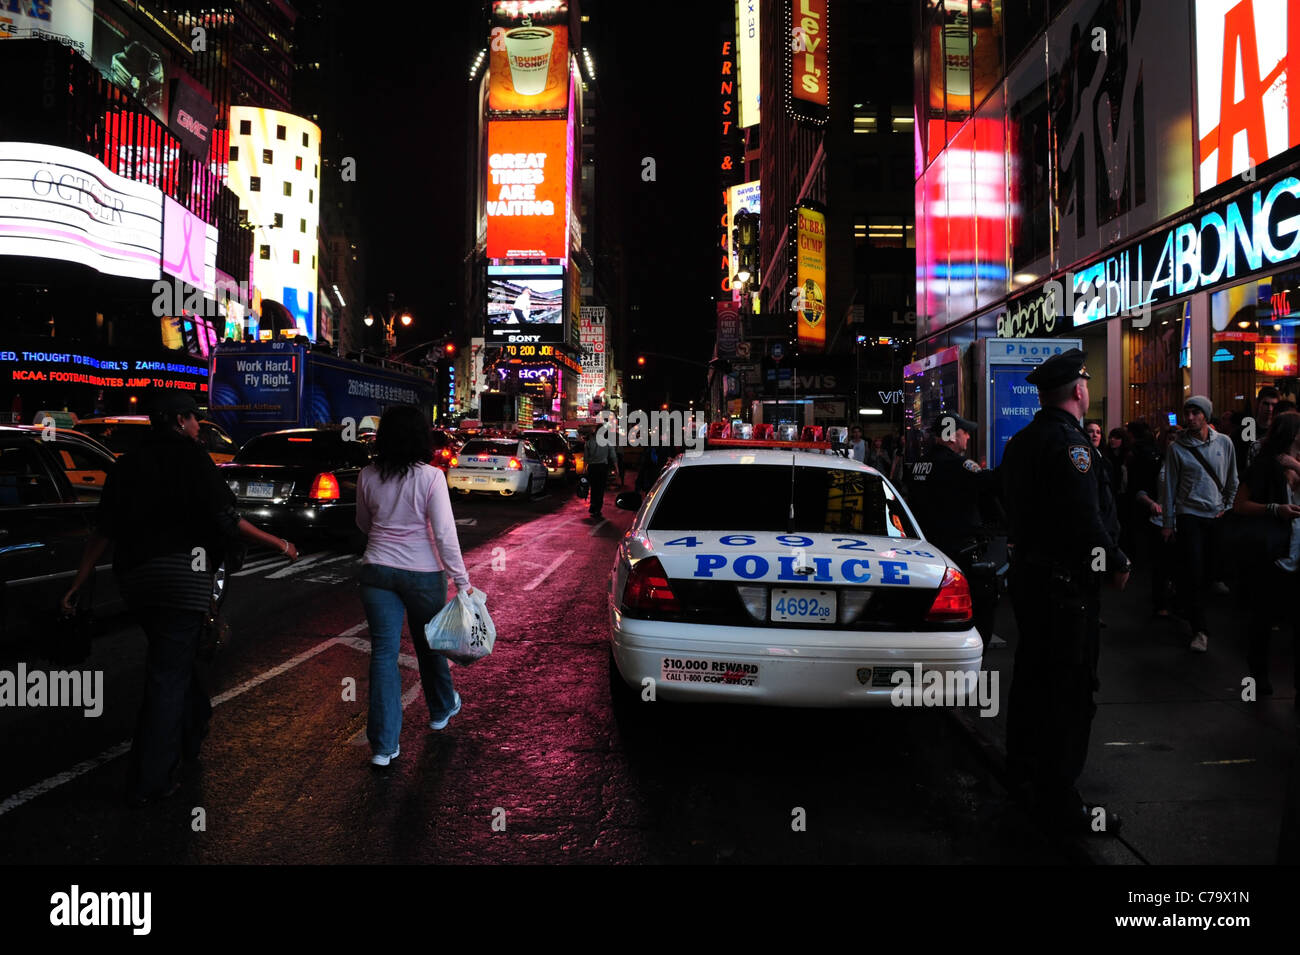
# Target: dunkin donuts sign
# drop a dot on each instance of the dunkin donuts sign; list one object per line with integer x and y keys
{"x": 529, "y": 67}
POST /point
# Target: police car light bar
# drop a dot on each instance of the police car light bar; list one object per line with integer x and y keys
{"x": 780, "y": 445}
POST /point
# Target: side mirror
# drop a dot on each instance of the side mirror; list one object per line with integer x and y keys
{"x": 628, "y": 501}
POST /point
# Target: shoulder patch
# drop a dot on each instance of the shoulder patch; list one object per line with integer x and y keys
{"x": 1081, "y": 458}
{"x": 970, "y": 465}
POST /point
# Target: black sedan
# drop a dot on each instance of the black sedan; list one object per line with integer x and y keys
{"x": 300, "y": 484}
{"x": 555, "y": 452}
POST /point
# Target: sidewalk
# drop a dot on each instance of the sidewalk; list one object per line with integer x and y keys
{"x": 1198, "y": 775}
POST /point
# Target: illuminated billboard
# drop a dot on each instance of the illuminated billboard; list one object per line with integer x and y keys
{"x": 810, "y": 276}
{"x": 522, "y": 310}
{"x": 529, "y": 65}
{"x": 741, "y": 198}
{"x": 1276, "y": 358}
{"x": 70, "y": 22}
{"x": 275, "y": 171}
{"x": 1243, "y": 75}
{"x": 527, "y": 179}
{"x": 189, "y": 247}
{"x": 61, "y": 204}
{"x": 748, "y": 61}
{"x": 809, "y": 74}
{"x": 130, "y": 57}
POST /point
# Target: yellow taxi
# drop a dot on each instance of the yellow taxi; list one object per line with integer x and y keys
{"x": 122, "y": 433}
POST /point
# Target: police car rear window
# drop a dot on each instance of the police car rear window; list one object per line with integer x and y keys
{"x": 756, "y": 497}
{"x": 505, "y": 449}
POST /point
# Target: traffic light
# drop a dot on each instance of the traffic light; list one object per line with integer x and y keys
{"x": 450, "y": 349}
{"x": 640, "y": 359}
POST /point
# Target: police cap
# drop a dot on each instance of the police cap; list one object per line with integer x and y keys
{"x": 1059, "y": 370}
{"x": 943, "y": 421}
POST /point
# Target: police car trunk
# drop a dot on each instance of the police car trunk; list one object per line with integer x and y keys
{"x": 783, "y": 577}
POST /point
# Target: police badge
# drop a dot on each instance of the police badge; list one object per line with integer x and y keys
{"x": 1081, "y": 458}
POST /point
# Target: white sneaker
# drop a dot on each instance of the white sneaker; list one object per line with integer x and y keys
{"x": 442, "y": 723}
{"x": 1200, "y": 643}
{"x": 379, "y": 759}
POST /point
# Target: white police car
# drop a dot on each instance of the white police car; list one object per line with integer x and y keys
{"x": 783, "y": 577}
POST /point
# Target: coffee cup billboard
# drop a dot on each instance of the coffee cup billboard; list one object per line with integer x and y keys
{"x": 529, "y": 65}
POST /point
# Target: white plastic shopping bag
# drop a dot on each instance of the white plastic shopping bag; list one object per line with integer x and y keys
{"x": 462, "y": 631}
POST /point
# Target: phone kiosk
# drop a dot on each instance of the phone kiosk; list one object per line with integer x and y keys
{"x": 1006, "y": 401}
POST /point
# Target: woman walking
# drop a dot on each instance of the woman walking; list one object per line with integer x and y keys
{"x": 404, "y": 508}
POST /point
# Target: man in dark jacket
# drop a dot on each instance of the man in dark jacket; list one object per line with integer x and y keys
{"x": 169, "y": 516}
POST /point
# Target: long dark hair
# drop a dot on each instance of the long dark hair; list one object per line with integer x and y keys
{"x": 1281, "y": 435}
{"x": 404, "y": 439}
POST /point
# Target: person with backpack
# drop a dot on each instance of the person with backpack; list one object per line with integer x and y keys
{"x": 1200, "y": 487}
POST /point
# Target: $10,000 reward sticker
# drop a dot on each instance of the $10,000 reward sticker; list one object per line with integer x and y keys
{"x": 714, "y": 672}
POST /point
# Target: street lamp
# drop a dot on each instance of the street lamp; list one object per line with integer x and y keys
{"x": 406, "y": 318}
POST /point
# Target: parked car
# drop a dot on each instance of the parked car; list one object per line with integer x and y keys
{"x": 122, "y": 433}
{"x": 45, "y": 520}
{"x": 505, "y": 466}
{"x": 300, "y": 484}
{"x": 445, "y": 447}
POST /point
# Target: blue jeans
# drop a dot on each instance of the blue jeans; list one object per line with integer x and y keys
{"x": 388, "y": 593}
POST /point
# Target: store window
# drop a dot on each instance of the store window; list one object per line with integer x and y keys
{"x": 1254, "y": 341}
{"x": 1157, "y": 366}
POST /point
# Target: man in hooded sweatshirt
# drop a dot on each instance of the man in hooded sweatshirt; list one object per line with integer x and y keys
{"x": 1200, "y": 486}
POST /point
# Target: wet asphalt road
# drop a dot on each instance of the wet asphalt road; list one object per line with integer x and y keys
{"x": 537, "y": 768}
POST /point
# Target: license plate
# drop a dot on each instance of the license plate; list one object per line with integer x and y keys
{"x": 480, "y": 480}
{"x": 708, "y": 672}
{"x": 259, "y": 489}
{"x": 803, "y": 606}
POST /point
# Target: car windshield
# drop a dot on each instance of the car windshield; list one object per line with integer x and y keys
{"x": 756, "y": 497}
{"x": 118, "y": 437}
{"x": 502, "y": 448}
{"x": 546, "y": 441}
{"x": 292, "y": 450}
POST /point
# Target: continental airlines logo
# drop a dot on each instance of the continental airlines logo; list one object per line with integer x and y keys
{"x": 1245, "y": 57}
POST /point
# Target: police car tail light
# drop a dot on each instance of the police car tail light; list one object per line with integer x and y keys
{"x": 514, "y": 465}
{"x": 952, "y": 604}
{"x": 647, "y": 588}
{"x": 325, "y": 487}
{"x": 454, "y": 462}
{"x": 755, "y": 600}
{"x": 853, "y": 600}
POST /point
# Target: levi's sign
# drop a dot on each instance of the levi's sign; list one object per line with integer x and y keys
{"x": 1256, "y": 231}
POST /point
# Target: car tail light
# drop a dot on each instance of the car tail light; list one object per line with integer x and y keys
{"x": 514, "y": 465}
{"x": 454, "y": 462}
{"x": 445, "y": 453}
{"x": 952, "y": 604}
{"x": 647, "y": 588}
{"x": 325, "y": 487}
{"x": 559, "y": 460}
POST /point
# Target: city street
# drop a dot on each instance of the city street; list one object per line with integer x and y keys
{"x": 285, "y": 777}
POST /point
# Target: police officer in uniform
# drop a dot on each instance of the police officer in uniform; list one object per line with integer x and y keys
{"x": 945, "y": 492}
{"x": 1064, "y": 535}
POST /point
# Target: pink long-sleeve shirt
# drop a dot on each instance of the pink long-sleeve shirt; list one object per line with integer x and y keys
{"x": 409, "y": 522}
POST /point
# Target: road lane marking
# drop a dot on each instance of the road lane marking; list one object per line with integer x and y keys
{"x": 46, "y": 785}
{"x": 1224, "y": 762}
{"x": 547, "y": 572}
{"x": 255, "y": 566}
{"x": 307, "y": 563}
{"x": 467, "y": 522}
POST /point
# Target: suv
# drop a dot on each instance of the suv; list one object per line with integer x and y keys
{"x": 47, "y": 510}
{"x": 122, "y": 433}
{"x": 555, "y": 452}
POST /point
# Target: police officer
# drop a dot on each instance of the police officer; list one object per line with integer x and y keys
{"x": 1064, "y": 534}
{"x": 945, "y": 492}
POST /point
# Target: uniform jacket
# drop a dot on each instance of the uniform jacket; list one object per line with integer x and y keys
{"x": 1188, "y": 488}
{"x": 1060, "y": 506}
{"x": 944, "y": 493}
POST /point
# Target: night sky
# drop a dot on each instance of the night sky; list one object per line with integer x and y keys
{"x": 409, "y": 118}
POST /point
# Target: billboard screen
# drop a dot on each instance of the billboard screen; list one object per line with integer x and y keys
{"x": 744, "y": 197}
{"x": 529, "y": 66}
{"x": 189, "y": 247}
{"x": 748, "y": 61}
{"x": 1243, "y": 112}
{"x": 809, "y": 61}
{"x": 592, "y": 381}
{"x": 192, "y": 115}
{"x": 276, "y": 175}
{"x": 58, "y": 203}
{"x": 130, "y": 57}
{"x": 70, "y": 22}
{"x": 525, "y": 310}
{"x": 527, "y": 175}
{"x": 810, "y": 277}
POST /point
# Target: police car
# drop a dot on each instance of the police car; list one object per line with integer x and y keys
{"x": 765, "y": 572}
